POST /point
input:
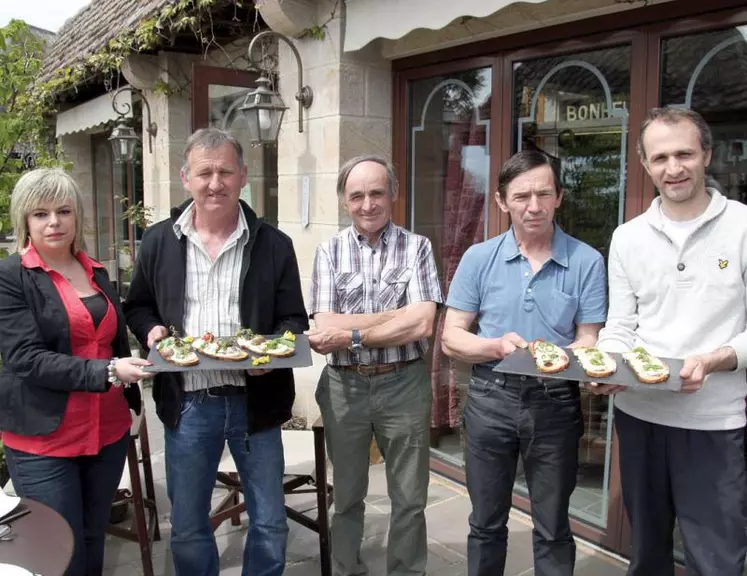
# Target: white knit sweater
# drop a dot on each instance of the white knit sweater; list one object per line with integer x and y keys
{"x": 676, "y": 313}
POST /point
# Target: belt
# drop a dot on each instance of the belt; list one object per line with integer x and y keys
{"x": 377, "y": 369}
{"x": 226, "y": 391}
{"x": 517, "y": 381}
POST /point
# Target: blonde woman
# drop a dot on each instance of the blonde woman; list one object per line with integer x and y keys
{"x": 64, "y": 394}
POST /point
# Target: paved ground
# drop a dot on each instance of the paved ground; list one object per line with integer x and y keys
{"x": 448, "y": 508}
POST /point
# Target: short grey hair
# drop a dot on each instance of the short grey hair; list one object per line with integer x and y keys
{"x": 347, "y": 168}
{"x": 210, "y": 139}
{"x": 45, "y": 186}
{"x": 671, "y": 115}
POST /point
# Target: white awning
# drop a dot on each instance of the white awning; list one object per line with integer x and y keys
{"x": 93, "y": 113}
{"x": 366, "y": 20}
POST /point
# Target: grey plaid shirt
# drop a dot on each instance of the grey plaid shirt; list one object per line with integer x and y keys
{"x": 352, "y": 277}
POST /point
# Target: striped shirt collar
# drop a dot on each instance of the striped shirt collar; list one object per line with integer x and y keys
{"x": 185, "y": 223}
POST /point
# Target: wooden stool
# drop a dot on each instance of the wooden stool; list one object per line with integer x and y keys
{"x": 143, "y": 530}
{"x": 232, "y": 505}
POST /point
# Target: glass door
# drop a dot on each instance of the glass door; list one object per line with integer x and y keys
{"x": 449, "y": 119}
{"x": 217, "y": 94}
{"x": 575, "y": 108}
{"x": 707, "y": 72}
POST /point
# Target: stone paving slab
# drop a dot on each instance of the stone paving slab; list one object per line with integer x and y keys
{"x": 447, "y": 512}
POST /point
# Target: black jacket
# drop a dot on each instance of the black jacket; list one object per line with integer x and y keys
{"x": 39, "y": 370}
{"x": 270, "y": 302}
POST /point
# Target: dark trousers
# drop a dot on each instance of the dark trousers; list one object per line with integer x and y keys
{"x": 510, "y": 417}
{"x": 697, "y": 476}
{"x": 80, "y": 489}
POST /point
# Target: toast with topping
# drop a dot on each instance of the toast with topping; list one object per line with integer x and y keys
{"x": 278, "y": 347}
{"x": 177, "y": 351}
{"x": 596, "y": 363}
{"x": 219, "y": 348}
{"x": 648, "y": 368}
{"x": 548, "y": 357}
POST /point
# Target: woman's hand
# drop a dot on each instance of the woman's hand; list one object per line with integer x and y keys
{"x": 129, "y": 370}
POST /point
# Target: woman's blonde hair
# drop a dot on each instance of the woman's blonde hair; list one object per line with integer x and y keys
{"x": 45, "y": 186}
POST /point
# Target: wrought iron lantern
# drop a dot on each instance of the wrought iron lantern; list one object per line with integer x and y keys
{"x": 123, "y": 138}
{"x": 263, "y": 107}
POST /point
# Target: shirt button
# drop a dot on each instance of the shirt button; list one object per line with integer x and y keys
{"x": 526, "y": 274}
{"x": 529, "y": 290}
{"x": 373, "y": 252}
{"x": 680, "y": 266}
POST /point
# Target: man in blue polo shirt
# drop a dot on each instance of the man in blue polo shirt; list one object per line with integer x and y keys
{"x": 531, "y": 282}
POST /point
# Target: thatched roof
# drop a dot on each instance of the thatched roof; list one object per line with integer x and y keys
{"x": 93, "y": 27}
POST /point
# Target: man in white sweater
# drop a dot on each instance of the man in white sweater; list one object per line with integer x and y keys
{"x": 677, "y": 277}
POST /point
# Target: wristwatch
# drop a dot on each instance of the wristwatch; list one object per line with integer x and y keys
{"x": 356, "y": 346}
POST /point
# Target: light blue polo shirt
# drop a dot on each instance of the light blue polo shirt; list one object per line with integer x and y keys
{"x": 495, "y": 281}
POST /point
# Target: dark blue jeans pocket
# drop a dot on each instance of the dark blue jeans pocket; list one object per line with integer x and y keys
{"x": 563, "y": 394}
{"x": 480, "y": 387}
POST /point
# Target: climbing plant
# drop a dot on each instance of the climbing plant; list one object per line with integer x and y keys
{"x": 150, "y": 33}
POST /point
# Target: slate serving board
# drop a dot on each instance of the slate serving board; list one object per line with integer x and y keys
{"x": 521, "y": 363}
{"x": 300, "y": 359}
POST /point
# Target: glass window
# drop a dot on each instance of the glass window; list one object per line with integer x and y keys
{"x": 574, "y": 108}
{"x": 707, "y": 73}
{"x": 448, "y": 196}
{"x": 261, "y": 190}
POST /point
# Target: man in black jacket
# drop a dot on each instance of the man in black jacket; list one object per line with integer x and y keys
{"x": 214, "y": 266}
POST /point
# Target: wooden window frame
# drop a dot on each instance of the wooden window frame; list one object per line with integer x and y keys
{"x": 644, "y": 30}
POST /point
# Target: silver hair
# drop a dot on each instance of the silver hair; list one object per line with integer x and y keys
{"x": 346, "y": 168}
{"x": 45, "y": 186}
{"x": 210, "y": 139}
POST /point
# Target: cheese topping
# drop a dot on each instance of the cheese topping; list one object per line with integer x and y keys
{"x": 648, "y": 363}
{"x": 549, "y": 354}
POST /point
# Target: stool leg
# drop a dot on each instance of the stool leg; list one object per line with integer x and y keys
{"x": 150, "y": 491}
{"x": 137, "y": 500}
{"x": 236, "y": 516}
{"x": 320, "y": 464}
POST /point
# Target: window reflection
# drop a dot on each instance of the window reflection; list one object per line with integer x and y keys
{"x": 449, "y": 128}
{"x": 574, "y": 108}
{"x": 707, "y": 72}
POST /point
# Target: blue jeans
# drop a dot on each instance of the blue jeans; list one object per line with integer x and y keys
{"x": 193, "y": 452}
{"x": 80, "y": 489}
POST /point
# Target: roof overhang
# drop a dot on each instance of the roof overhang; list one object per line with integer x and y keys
{"x": 89, "y": 115}
{"x": 366, "y": 20}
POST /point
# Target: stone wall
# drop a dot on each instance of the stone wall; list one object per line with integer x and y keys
{"x": 78, "y": 150}
{"x": 350, "y": 115}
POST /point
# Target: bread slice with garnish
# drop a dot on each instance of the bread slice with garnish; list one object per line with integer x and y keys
{"x": 177, "y": 351}
{"x": 648, "y": 368}
{"x": 278, "y": 347}
{"x": 548, "y": 357}
{"x": 595, "y": 362}
{"x": 221, "y": 349}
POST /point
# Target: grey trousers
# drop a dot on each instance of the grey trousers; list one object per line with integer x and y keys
{"x": 395, "y": 408}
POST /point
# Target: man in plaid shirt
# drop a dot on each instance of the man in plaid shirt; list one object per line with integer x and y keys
{"x": 374, "y": 294}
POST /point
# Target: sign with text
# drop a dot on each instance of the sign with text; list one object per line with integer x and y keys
{"x": 592, "y": 111}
